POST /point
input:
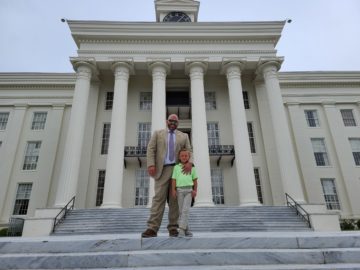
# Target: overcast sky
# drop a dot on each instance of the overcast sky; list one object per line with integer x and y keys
{"x": 324, "y": 34}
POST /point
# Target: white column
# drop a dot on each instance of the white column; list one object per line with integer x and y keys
{"x": 115, "y": 159}
{"x": 200, "y": 136}
{"x": 9, "y": 149}
{"x": 289, "y": 172}
{"x": 158, "y": 71}
{"x": 271, "y": 152}
{"x": 70, "y": 167}
{"x": 243, "y": 158}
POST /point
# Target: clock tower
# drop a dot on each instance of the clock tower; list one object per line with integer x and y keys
{"x": 177, "y": 10}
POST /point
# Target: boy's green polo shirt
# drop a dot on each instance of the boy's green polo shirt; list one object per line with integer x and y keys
{"x": 183, "y": 180}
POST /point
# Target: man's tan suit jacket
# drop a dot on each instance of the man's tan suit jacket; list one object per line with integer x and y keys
{"x": 157, "y": 149}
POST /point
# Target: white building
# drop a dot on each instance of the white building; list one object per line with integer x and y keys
{"x": 292, "y": 132}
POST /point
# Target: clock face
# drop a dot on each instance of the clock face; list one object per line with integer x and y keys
{"x": 177, "y": 16}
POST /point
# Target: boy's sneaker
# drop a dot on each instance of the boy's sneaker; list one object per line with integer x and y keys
{"x": 188, "y": 233}
{"x": 181, "y": 233}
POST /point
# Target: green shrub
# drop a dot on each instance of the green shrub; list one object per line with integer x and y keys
{"x": 358, "y": 224}
{"x": 3, "y": 232}
{"x": 347, "y": 225}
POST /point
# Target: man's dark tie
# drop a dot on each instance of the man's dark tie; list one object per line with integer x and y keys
{"x": 171, "y": 146}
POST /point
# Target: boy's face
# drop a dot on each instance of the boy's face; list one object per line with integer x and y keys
{"x": 184, "y": 156}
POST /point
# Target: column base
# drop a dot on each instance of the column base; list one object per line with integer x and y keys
{"x": 203, "y": 204}
{"x": 244, "y": 204}
{"x": 111, "y": 205}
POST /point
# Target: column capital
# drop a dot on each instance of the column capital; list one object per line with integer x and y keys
{"x": 122, "y": 70}
{"x": 154, "y": 63}
{"x": 269, "y": 65}
{"x": 229, "y": 63}
{"x": 84, "y": 66}
{"x": 196, "y": 65}
{"x": 159, "y": 69}
{"x": 127, "y": 65}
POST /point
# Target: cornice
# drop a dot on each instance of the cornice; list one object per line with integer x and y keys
{"x": 319, "y": 85}
{"x": 77, "y": 25}
{"x": 176, "y": 41}
{"x": 318, "y": 79}
{"x": 37, "y": 78}
{"x": 203, "y": 52}
{"x": 84, "y": 30}
{"x": 55, "y": 104}
{"x": 37, "y": 87}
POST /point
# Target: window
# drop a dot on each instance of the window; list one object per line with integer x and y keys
{"x": 348, "y": 118}
{"x": 217, "y": 186}
{"x": 355, "y": 148}
{"x": 4, "y": 117}
{"x": 109, "y": 100}
{"x": 258, "y": 185}
{"x": 100, "y": 188}
{"x": 312, "y": 118}
{"x": 320, "y": 153}
{"x": 213, "y": 134}
{"x": 210, "y": 101}
{"x": 330, "y": 195}
{"x": 39, "y": 119}
{"x": 145, "y": 101}
{"x": 246, "y": 100}
{"x": 141, "y": 188}
{"x": 144, "y": 134}
{"x": 105, "y": 138}
{"x": 31, "y": 155}
{"x": 22, "y": 199}
{"x": 251, "y": 137}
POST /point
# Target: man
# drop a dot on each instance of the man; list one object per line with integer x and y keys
{"x": 162, "y": 155}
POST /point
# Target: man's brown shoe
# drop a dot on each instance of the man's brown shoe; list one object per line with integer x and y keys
{"x": 149, "y": 233}
{"x": 173, "y": 233}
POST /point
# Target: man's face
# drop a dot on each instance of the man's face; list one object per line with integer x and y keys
{"x": 172, "y": 123}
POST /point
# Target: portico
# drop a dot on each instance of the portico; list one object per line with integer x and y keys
{"x": 125, "y": 70}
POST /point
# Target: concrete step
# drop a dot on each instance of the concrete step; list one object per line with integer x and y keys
{"x": 258, "y": 218}
{"x": 177, "y": 258}
{"x": 248, "y": 267}
{"x": 236, "y": 240}
{"x": 301, "y": 250}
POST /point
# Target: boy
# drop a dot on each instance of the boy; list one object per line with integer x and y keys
{"x": 184, "y": 188}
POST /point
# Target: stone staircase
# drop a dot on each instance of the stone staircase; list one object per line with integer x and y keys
{"x": 222, "y": 251}
{"x": 202, "y": 219}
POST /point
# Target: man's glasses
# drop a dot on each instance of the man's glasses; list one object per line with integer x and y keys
{"x": 173, "y": 122}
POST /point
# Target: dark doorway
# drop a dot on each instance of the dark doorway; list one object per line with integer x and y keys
{"x": 177, "y": 98}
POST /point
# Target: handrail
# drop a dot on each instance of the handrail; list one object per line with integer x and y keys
{"x": 65, "y": 209}
{"x": 293, "y": 204}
